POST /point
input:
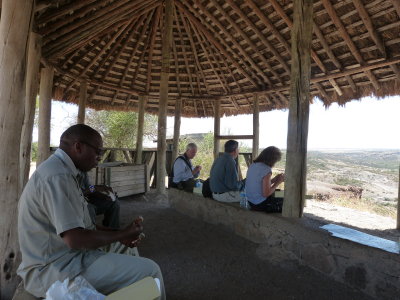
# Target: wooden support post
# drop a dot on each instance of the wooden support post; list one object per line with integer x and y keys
{"x": 295, "y": 179}
{"x": 139, "y": 138}
{"x": 398, "y": 204}
{"x": 256, "y": 126}
{"x": 82, "y": 102}
{"x": 217, "y": 127}
{"x": 32, "y": 82}
{"x": 45, "y": 93}
{"x": 162, "y": 113}
{"x": 177, "y": 128}
{"x": 16, "y": 19}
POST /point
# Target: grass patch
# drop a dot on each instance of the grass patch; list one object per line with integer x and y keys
{"x": 366, "y": 204}
{"x": 347, "y": 181}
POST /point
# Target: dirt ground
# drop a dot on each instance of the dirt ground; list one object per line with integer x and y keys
{"x": 203, "y": 261}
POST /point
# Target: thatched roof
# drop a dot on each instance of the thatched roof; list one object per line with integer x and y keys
{"x": 222, "y": 49}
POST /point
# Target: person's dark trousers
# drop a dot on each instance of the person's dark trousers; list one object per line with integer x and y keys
{"x": 109, "y": 208}
{"x": 269, "y": 205}
{"x": 187, "y": 185}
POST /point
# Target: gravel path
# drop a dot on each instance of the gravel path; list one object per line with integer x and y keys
{"x": 203, "y": 261}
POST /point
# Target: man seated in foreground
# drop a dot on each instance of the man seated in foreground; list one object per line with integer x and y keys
{"x": 101, "y": 203}
{"x": 224, "y": 180}
{"x": 183, "y": 172}
{"x": 57, "y": 237}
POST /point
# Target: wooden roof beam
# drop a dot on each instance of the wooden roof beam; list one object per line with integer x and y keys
{"x": 189, "y": 33}
{"x": 139, "y": 39}
{"x": 249, "y": 42}
{"x": 87, "y": 33}
{"x": 184, "y": 52}
{"x": 343, "y": 33}
{"x": 201, "y": 42}
{"x": 94, "y": 60}
{"x": 396, "y": 4}
{"x": 105, "y": 59}
{"x": 372, "y": 31}
{"x": 260, "y": 35}
{"x": 82, "y": 44}
{"x": 211, "y": 38}
{"x": 152, "y": 35}
{"x": 62, "y": 11}
{"x": 77, "y": 18}
{"x": 370, "y": 27}
{"x": 314, "y": 55}
{"x": 176, "y": 67}
{"x": 235, "y": 42}
{"x": 333, "y": 58}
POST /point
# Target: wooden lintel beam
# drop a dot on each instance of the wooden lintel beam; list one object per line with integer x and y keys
{"x": 360, "y": 69}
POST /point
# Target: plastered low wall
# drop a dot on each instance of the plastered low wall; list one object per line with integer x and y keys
{"x": 374, "y": 271}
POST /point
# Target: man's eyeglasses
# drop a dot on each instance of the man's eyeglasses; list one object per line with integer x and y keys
{"x": 98, "y": 151}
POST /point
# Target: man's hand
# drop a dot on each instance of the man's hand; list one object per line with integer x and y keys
{"x": 135, "y": 231}
{"x": 196, "y": 170}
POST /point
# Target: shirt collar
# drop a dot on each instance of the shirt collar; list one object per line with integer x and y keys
{"x": 67, "y": 161}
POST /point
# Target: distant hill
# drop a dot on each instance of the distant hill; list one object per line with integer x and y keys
{"x": 375, "y": 171}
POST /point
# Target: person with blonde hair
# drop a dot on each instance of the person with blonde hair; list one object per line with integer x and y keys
{"x": 260, "y": 186}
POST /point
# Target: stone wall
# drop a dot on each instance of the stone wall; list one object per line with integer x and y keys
{"x": 375, "y": 272}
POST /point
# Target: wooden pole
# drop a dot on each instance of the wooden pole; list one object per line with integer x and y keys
{"x": 398, "y": 205}
{"x": 15, "y": 24}
{"x": 162, "y": 113}
{"x": 46, "y": 84}
{"x": 217, "y": 127}
{"x": 295, "y": 179}
{"x": 82, "y": 102}
{"x": 139, "y": 138}
{"x": 256, "y": 126}
{"x": 177, "y": 128}
{"x": 32, "y": 82}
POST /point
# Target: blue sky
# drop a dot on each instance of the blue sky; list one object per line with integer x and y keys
{"x": 364, "y": 124}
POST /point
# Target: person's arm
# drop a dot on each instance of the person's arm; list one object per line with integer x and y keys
{"x": 196, "y": 171}
{"x": 79, "y": 238}
{"x": 270, "y": 185}
{"x": 231, "y": 177}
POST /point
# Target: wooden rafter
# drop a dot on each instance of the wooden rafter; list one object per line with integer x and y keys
{"x": 245, "y": 56}
{"x": 343, "y": 33}
{"x": 211, "y": 38}
{"x": 138, "y": 41}
{"x": 373, "y": 33}
{"x": 314, "y": 55}
{"x": 92, "y": 29}
{"x": 220, "y": 78}
{"x": 261, "y": 36}
{"x": 185, "y": 58}
{"x": 249, "y": 41}
{"x": 152, "y": 35}
{"x": 199, "y": 68}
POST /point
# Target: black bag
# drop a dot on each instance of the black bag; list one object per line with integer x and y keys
{"x": 206, "y": 190}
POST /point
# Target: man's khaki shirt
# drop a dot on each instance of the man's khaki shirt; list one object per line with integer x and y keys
{"x": 52, "y": 203}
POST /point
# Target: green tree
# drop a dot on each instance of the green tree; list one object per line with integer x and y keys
{"x": 119, "y": 129}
